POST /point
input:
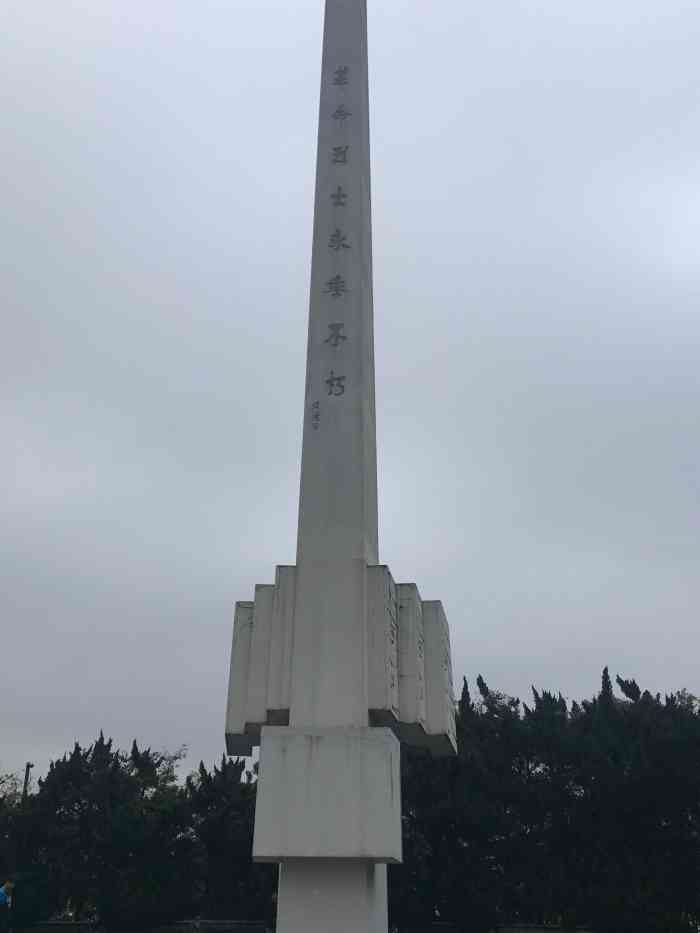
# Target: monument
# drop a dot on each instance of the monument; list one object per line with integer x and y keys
{"x": 334, "y": 664}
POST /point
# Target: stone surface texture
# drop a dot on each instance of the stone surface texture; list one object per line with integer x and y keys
{"x": 336, "y": 794}
{"x": 332, "y": 896}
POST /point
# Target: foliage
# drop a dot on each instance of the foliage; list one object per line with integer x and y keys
{"x": 222, "y": 808}
{"x": 112, "y": 832}
{"x": 581, "y": 814}
{"x": 552, "y": 812}
{"x": 9, "y": 804}
{"x": 30, "y": 897}
{"x": 9, "y": 790}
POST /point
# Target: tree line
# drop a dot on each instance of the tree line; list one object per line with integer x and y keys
{"x": 553, "y": 812}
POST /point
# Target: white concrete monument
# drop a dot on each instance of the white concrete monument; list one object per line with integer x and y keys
{"x": 335, "y": 664}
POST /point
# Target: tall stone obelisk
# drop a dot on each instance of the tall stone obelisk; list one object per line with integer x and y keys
{"x": 335, "y": 663}
{"x": 338, "y": 502}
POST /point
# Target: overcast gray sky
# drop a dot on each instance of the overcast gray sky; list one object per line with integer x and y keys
{"x": 536, "y": 227}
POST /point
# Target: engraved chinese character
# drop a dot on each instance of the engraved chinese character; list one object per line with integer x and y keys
{"x": 340, "y": 76}
{"x": 338, "y": 240}
{"x": 336, "y": 335}
{"x": 336, "y": 286}
{"x": 339, "y": 197}
{"x": 336, "y": 384}
{"x": 316, "y": 415}
{"x": 341, "y": 114}
{"x": 340, "y": 155}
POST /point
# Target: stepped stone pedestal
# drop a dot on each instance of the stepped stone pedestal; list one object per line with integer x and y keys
{"x": 409, "y": 668}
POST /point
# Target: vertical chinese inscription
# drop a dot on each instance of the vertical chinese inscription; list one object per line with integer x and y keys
{"x": 420, "y": 651}
{"x": 338, "y": 239}
{"x": 336, "y": 384}
{"x": 341, "y": 75}
{"x": 339, "y": 197}
{"x": 336, "y": 286}
{"x": 340, "y": 155}
{"x": 336, "y": 336}
{"x": 341, "y": 114}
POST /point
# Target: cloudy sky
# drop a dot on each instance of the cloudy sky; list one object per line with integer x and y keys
{"x": 537, "y": 219}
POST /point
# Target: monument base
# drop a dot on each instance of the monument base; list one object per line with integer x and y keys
{"x": 328, "y": 793}
{"x": 318, "y": 896}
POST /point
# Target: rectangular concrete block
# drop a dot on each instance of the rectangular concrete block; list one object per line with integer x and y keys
{"x": 440, "y": 702}
{"x": 281, "y": 641}
{"x": 237, "y": 743}
{"x": 382, "y": 633}
{"x": 411, "y": 663}
{"x": 330, "y": 896}
{"x": 329, "y": 668}
{"x": 328, "y": 793}
{"x": 256, "y": 707}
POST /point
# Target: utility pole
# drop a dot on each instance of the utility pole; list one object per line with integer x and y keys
{"x": 28, "y": 767}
